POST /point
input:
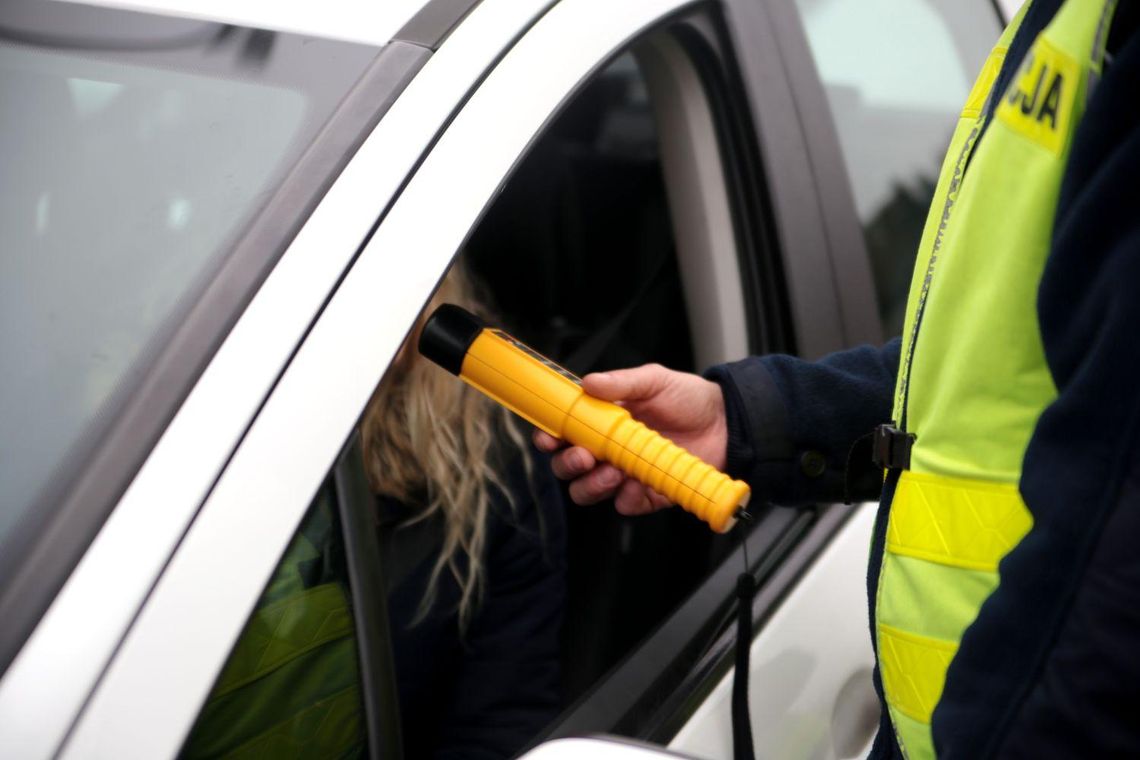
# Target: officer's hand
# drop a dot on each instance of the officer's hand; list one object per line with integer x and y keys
{"x": 685, "y": 408}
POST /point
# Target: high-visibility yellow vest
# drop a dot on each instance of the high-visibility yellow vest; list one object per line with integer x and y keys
{"x": 973, "y": 380}
{"x": 290, "y": 687}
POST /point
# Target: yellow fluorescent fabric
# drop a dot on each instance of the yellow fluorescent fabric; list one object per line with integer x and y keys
{"x": 957, "y": 522}
{"x": 914, "y": 735}
{"x": 981, "y": 89}
{"x": 910, "y": 608}
{"x": 916, "y": 671}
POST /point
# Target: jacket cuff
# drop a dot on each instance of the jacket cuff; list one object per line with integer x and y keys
{"x": 760, "y": 449}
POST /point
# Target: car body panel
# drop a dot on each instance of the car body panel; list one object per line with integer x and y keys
{"x": 815, "y": 643}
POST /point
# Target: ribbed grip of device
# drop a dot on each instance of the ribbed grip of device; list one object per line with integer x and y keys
{"x": 553, "y": 400}
{"x": 698, "y": 487}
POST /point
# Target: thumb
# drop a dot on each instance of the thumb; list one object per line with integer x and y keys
{"x": 627, "y": 384}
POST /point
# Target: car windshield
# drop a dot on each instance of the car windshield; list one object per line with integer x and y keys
{"x": 134, "y": 150}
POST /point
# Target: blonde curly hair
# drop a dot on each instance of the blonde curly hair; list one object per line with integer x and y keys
{"x": 426, "y": 432}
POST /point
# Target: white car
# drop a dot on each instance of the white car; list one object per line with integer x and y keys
{"x": 219, "y": 221}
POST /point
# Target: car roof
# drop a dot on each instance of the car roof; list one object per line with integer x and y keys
{"x": 373, "y": 22}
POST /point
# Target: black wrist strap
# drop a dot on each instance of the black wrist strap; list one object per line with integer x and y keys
{"x": 741, "y": 720}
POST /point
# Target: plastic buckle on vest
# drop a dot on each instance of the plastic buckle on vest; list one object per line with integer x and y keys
{"x": 891, "y": 448}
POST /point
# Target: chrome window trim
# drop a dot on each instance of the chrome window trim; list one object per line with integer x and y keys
{"x": 48, "y": 682}
{"x": 185, "y": 631}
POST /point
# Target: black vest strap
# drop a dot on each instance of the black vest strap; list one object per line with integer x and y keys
{"x": 891, "y": 448}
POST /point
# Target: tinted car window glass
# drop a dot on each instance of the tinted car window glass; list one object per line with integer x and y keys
{"x": 896, "y": 73}
{"x": 291, "y": 686}
{"x": 133, "y": 150}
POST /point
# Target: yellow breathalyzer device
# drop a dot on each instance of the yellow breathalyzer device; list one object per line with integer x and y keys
{"x": 551, "y": 398}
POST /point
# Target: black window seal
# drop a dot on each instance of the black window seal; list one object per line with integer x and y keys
{"x": 108, "y": 459}
{"x": 380, "y": 698}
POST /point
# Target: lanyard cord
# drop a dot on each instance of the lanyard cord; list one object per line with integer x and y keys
{"x": 948, "y": 206}
{"x": 745, "y": 591}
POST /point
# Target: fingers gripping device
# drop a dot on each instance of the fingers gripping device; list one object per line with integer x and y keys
{"x": 552, "y": 399}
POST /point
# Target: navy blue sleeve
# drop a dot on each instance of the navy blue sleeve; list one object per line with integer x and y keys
{"x": 796, "y": 428}
{"x": 506, "y": 687}
{"x": 1051, "y": 666}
